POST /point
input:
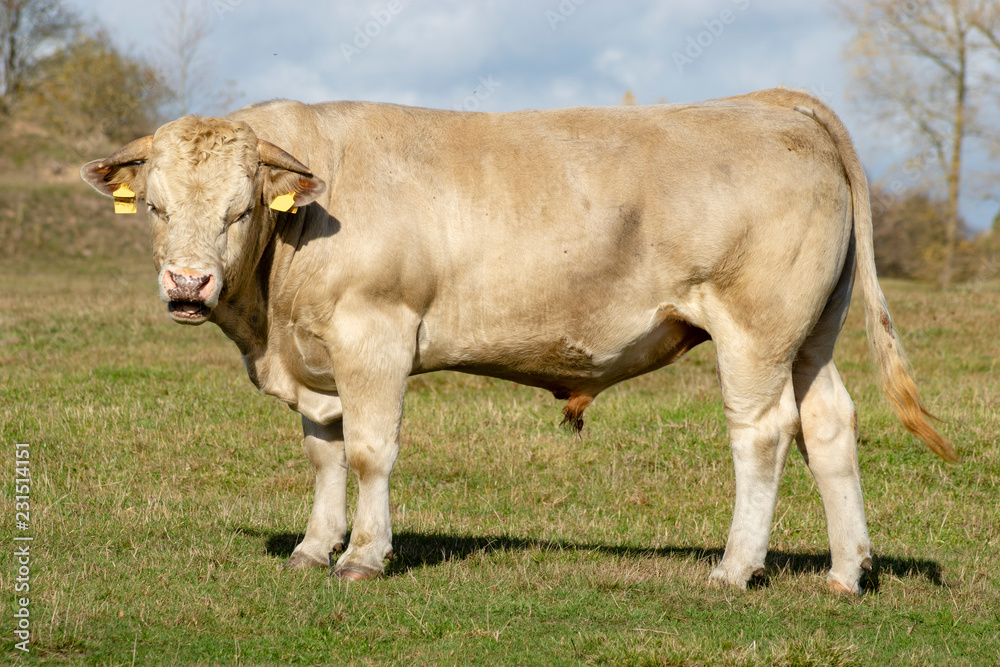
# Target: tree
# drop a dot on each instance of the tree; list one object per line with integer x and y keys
{"x": 909, "y": 238}
{"x": 909, "y": 234}
{"x": 923, "y": 67}
{"x": 89, "y": 88}
{"x": 185, "y": 63}
{"x": 28, "y": 28}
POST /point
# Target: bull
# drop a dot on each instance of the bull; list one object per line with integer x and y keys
{"x": 346, "y": 246}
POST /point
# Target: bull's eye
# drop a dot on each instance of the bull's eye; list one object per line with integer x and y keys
{"x": 245, "y": 214}
{"x": 157, "y": 213}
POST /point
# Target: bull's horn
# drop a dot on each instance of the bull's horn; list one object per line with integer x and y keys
{"x": 276, "y": 157}
{"x": 134, "y": 151}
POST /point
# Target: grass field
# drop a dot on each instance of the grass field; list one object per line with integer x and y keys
{"x": 166, "y": 493}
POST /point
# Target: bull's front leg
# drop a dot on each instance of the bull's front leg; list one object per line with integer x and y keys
{"x": 327, "y": 528}
{"x": 373, "y": 360}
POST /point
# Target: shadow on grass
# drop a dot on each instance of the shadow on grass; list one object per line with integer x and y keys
{"x": 416, "y": 550}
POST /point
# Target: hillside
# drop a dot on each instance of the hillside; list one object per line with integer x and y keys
{"x": 48, "y": 213}
{"x": 44, "y": 222}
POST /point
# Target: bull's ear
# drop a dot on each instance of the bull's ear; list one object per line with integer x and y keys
{"x": 124, "y": 167}
{"x": 288, "y": 183}
{"x": 286, "y": 190}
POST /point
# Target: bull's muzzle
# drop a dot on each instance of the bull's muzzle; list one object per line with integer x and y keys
{"x": 190, "y": 295}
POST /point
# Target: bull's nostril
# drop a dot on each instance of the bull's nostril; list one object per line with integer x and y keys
{"x": 188, "y": 282}
{"x": 181, "y": 286}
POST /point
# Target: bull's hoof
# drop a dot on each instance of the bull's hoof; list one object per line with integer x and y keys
{"x": 843, "y": 589}
{"x": 721, "y": 582}
{"x": 723, "y": 577}
{"x": 357, "y": 572}
{"x": 303, "y": 561}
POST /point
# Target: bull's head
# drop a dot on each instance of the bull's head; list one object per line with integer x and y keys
{"x": 208, "y": 184}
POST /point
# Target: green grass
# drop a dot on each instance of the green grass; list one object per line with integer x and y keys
{"x": 167, "y": 493}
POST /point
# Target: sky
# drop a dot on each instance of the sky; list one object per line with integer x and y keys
{"x": 491, "y": 55}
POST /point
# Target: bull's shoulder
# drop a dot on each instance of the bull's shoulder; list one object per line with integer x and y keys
{"x": 274, "y": 102}
{"x": 272, "y": 108}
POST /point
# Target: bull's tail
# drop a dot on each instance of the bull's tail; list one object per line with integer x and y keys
{"x": 893, "y": 368}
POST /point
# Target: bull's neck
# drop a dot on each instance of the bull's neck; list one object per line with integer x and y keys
{"x": 243, "y": 313}
{"x": 242, "y": 316}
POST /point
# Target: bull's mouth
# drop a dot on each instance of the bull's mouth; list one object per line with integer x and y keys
{"x": 188, "y": 312}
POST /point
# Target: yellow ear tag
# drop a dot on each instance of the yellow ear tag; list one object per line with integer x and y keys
{"x": 124, "y": 200}
{"x": 285, "y": 203}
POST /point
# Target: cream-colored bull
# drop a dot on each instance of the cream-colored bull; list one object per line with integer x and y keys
{"x": 568, "y": 249}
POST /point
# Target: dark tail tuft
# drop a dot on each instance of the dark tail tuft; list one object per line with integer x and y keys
{"x": 573, "y": 412}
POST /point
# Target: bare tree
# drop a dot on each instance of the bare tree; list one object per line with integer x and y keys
{"x": 186, "y": 63}
{"x": 28, "y": 30}
{"x": 923, "y": 67}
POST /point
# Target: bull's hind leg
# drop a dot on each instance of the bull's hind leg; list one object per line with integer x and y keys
{"x": 828, "y": 442}
{"x": 324, "y": 445}
{"x": 828, "y": 438}
{"x": 763, "y": 420}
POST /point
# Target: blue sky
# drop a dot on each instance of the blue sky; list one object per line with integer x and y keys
{"x": 497, "y": 56}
